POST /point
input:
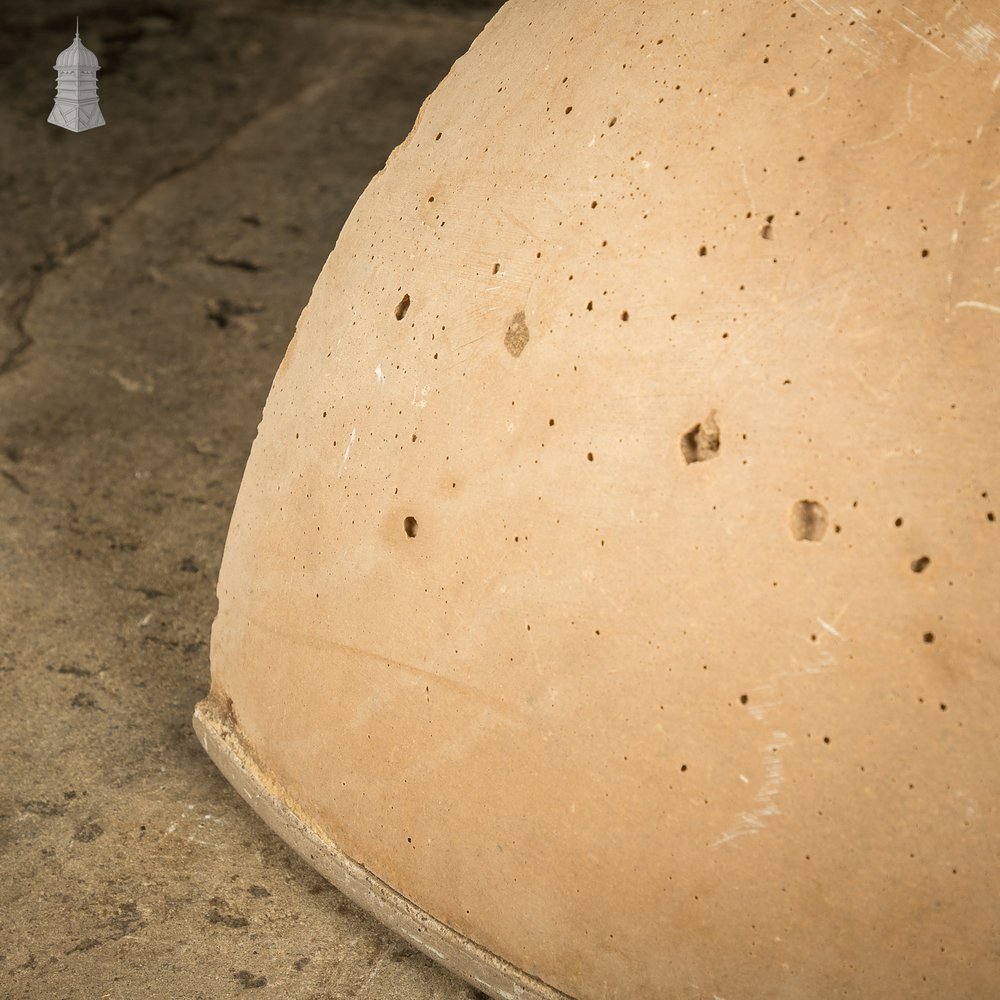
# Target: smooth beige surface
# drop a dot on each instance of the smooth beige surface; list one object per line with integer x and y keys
{"x": 615, "y": 572}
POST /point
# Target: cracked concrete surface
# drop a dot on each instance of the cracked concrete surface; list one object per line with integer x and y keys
{"x": 151, "y": 273}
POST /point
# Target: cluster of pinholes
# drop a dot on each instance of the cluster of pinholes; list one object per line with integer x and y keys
{"x": 808, "y": 519}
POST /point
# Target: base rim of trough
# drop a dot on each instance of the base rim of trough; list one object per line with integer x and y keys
{"x": 226, "y": 746}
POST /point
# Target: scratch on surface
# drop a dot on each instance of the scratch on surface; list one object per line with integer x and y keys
{"x": 764, "y": 805}
{"x": 971, "y": 304}
{"x": 830, "y": 628}
{"x": 926, "y": 41}
{"x": 765, "y": 699}
{"x": 379, "y": 375}
{"x": 746, "y": 185}
{"x": 977, "y": 41}
{"x": 347, "y": 451}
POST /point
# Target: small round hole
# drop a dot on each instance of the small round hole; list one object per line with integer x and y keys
{"x": 410, "y": 527}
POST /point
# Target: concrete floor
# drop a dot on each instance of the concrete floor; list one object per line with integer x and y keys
{"x": 151, "y": 273}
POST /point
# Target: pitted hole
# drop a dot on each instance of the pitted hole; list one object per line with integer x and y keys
{"x": 898, "y": 522}
{"x": 701, "y": 442}
{"x": 590, "y": 456}
{"x": 919, "y": 565}
{"x": 808, "y": 521}
{"x": 744, "y": 699}
{"x": 702, "y": 250}
{"x": 624, "y": 315}
{"x": 611, "y": 122}
{"x": 767, "y": 232}
{"x": 516, "y": 337}
{"x": 928, "y": 637}
{"x": 410, "y": 527}
{"x": 496, "y": 268}
{"x": 404, "y": 304}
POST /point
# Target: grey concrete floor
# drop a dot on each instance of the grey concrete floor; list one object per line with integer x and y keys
{"x": 151, "y": 273}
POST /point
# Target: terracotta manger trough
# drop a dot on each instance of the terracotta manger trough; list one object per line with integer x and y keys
{"x": 612, "y": 601}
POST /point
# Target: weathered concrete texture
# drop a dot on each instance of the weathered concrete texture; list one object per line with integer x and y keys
{"x": 151, "y": 274}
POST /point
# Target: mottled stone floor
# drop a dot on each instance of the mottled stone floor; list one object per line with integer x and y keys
{"x": 151, "y": 273}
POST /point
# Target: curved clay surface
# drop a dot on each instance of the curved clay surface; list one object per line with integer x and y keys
{"x": 615, "y": 575}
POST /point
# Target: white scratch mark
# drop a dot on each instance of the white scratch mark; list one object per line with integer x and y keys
{"x": 829, "y": 628}
{"x": 379, "y": 376}
{"x": 960, "y": 207}
{"x": 347, "y": 451}
{"x": 977, "y": 42}
{"x": 926, "y": 41}
{"x": 145, "y": 621}
{"x": 746, "y": 184}
{"x": 759, "y": 710}
{"x": 970, "y": 304}
{"x": 764, "y": 805}
{"x": 996, "y": 84}
{"x": 423, "y": 392}
{"x": 816, "y": 100}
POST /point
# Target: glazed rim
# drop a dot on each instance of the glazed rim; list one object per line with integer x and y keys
{"x": 224, "y": 743}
